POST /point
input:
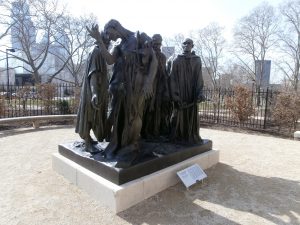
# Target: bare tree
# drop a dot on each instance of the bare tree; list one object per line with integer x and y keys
{"x": 254, "y": 35}
{"x": 74, "y": 43}
{"x": 5, "y": 22}
{"x": 209, "y": 44}
{"x": 289, "y": 37}
{"x": 6, "y": 30}
{"x": 30, "y": 19}
{"x": 234, "y": 74}
{"x": 176, "y": 42}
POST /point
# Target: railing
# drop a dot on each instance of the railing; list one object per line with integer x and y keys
{"x": 45, "y": 99}
{"x": 215, "y": 111}
{"x": 60, "y": 99}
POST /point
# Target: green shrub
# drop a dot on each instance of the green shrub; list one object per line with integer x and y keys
{"x": 63, "y": 107}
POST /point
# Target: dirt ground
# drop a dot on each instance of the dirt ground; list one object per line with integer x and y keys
{"x": 256, "y": 182}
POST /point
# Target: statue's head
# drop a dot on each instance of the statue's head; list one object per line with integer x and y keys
{"x": 187, "y": 45}
{"x": 105, "y": 39}
{"x": 112, "y": 29}
{"x": 156, "y": 41}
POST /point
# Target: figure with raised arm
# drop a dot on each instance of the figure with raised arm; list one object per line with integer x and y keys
{"x": 131, "y": 84}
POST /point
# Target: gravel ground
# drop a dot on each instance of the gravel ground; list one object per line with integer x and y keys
{"x": 256, "y": 182}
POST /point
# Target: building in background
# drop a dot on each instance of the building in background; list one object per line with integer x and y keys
{"x": 26, "y": 28}
{"x": 262, "y": 71}
{"x": 3, "y": 75}
{"x": 56, "y": 53}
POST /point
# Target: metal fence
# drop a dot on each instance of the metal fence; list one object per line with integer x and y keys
{"x": 44, "y": 99}
{"x": 55, "y": 99}
{"x": 215, "y": 111}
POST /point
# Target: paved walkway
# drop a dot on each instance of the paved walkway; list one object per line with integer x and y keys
{"x": 256, "y": 182}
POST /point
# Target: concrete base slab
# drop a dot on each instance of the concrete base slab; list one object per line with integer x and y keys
{"x": 121, "y": 197}
{"x": 154, "y": 156}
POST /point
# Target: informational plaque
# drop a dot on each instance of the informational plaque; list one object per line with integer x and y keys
{"x": 191, "y": 175}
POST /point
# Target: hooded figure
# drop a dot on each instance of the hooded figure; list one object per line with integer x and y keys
{"x": 186, "y": 83}
{"x": 156, "y": 121}
{"x": 92, "y": 112}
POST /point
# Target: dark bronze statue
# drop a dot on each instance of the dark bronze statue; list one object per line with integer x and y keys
{"x": 131, "y": 84}
{"x": 152, "y": 121}
{"x": 186, "y": 85}
{"x": 156, "y": 122}
{"x": 93, "y": 105}
{"x": 147, "y": 113}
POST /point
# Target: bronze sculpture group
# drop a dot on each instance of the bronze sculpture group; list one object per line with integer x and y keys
{"x": 147, "y": 101}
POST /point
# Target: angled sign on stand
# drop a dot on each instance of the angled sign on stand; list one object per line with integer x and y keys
{"x": 191, "y": 175}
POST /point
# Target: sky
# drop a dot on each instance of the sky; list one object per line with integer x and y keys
{"x": 170, "y": 17}
{"x": 167, "y": 17}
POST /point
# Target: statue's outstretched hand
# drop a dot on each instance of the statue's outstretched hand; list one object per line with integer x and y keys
{"x": 94, "y": 32}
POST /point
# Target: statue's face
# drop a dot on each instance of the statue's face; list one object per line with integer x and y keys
{"x": 112, "y": 34}
{"x": 187, "y": 46}
{"x": 156, "y": 45}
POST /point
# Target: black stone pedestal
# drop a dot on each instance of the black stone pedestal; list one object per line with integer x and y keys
{"x": 153, "y": 157}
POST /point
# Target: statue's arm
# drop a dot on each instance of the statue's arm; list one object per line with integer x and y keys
{"x": 94, "y": 33}
{"x": 200, "y": 84}
{"x": 148, "y": 85}
{"x": 174, "y": 89}
{"x": 94, "y": 90}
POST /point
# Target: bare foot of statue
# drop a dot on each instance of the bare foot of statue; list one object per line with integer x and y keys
{"x": 127, "y": 155}
{"x": 90, "y": 146}
{"x": 124, "y": 156}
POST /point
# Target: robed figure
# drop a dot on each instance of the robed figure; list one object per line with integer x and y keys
{"x": 186, "y": 84}
{"x": 156, "y": 121}
{"x": 134, "y": 68}
{"x": 92, "y": 112}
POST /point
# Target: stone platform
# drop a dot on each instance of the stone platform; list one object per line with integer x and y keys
{"x": 120, "y": 197}
{"x": 154, "y": 157}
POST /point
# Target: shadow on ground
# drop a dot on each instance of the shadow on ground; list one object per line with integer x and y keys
{"x": 228, "y": 196}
